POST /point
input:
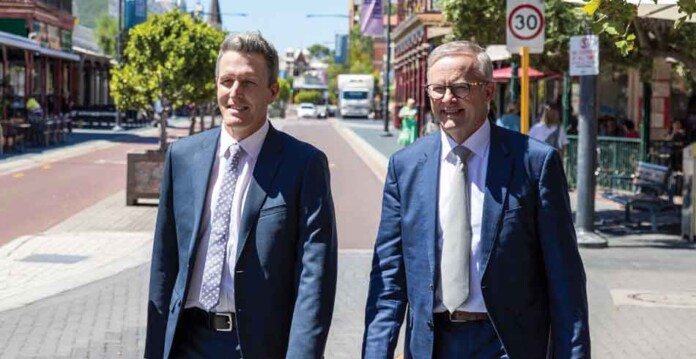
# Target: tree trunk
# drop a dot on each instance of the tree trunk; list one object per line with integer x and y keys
{"x": 211, "y": 111}
{"x": 201, "y": 114}
{"x": 192, "y": 122}
{"x": 163, "y": 132}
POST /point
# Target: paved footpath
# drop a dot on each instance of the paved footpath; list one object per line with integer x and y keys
{"x": 642, "y": 289}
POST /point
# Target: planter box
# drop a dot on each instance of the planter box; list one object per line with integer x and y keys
{"x": 144, "y": 176}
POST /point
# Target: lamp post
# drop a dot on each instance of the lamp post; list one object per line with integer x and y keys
{"x": 117, "y": 126}
{"x": 386, "y": 73}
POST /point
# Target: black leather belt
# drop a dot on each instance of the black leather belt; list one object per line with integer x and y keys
{"x": 460, "y": 316}
{"x": 221, "y": 322}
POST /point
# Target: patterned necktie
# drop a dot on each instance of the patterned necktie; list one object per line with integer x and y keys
{"x": 219, "y": 233}
{"x": 456, "y": 244}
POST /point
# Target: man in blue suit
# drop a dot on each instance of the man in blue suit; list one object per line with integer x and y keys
{"x": 476, "y": 241}
{"x": 244, "y": 257}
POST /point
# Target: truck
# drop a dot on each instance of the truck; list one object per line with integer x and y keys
{"x": 355, "y": 95}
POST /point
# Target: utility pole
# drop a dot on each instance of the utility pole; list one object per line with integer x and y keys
{"x": 118, "y": 127}
{"x": 587, "y": 162}
{"x": 386, "y": 73}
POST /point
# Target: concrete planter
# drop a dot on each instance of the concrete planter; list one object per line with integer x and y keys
{"x": 144, "y": 176}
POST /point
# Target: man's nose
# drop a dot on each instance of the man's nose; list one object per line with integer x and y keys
{"x": 235, "y": 89}
{"x": 448, "y": 96}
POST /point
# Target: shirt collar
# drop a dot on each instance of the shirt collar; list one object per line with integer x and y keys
{"x": 477, "y": 143}
{"x": 251, "y": 145}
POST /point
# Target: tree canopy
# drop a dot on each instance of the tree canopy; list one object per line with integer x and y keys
{"x": 319, "y": 51}
{"x": 106, "y": 34}
{"x": 169, "y": 57}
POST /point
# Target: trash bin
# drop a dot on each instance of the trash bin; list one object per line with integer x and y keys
{"x": 688, "y": 192}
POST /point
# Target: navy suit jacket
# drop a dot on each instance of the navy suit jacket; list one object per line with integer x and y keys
{"x": 285, "y": 273}
{"x": 533, "y": 280}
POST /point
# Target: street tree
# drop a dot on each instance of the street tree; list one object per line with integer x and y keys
{"x": 106, "y": 34}
{"x": 171, "y": 58}
{"x": 645, "y": 38}
{"x": 484, "y": 23}
{"x": 319, "y": 51}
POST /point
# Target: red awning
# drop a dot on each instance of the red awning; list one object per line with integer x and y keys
{"x": 504, "y": 74}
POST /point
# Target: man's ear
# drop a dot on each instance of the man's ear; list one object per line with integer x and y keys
{"x": 490, "y": 91}
{"x": 275, "y": 88}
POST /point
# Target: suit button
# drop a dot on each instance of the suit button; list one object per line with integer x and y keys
{"x": 431, "y": 286}
{"x": 430, "y": 324}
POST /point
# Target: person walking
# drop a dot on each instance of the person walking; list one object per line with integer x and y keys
{"x": 245, "y": 250}
{"x": 549, "y": 128}
{"x": 476, "y": 239}
{"x": 409, "y": 124}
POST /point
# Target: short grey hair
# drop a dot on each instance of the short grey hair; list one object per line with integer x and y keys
{"x": 251, "y": 43}
{"x": 458, "y": 48}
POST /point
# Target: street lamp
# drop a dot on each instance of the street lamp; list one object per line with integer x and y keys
{"x": 117, "y": 126}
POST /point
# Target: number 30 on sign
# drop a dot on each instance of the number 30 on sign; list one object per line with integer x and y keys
{"x": 525, "y": 26}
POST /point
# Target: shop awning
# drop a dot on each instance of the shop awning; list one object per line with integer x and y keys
{"x": 505, "y": 73}
{"x": 19, "y": 42}
{"x": 24, "y": 43}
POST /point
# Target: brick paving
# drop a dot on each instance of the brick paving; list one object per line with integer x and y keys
{"x": 105, "y": 319}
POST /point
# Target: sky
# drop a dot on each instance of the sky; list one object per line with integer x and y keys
{"x": 284, "y": 22}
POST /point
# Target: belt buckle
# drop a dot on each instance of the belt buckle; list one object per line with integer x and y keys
{"x": 453, "y": 319}
{"x": 230, "y": 323}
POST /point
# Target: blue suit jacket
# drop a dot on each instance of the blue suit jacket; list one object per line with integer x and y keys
{"x": 285, "y": 273}
{"x": 533, "y": 280}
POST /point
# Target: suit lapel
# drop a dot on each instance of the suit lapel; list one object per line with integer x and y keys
{"x": 498, "y": 174}
{"x": 199, "y": 172}
{"x": 259, "y": 185}
{"x": 428, "y": 168}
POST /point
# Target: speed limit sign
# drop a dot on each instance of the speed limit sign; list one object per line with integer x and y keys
{"x": 525, "y": 25}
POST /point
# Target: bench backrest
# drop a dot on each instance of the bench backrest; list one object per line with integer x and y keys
{"x": 652, "y": 174}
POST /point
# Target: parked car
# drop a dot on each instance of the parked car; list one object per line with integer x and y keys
{"x": 321, "y": 111}
{"x": 306, "y": 110}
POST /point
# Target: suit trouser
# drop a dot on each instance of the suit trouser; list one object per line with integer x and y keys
{"x": 195, "y": 341}
{"x": 475, "y": 339}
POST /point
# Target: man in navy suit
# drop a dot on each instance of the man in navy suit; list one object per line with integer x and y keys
{"x": 244, "y": 257}
{"x": 476, "y": 238}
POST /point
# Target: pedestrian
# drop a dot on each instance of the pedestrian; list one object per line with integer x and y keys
{"x": 630, "y": 129}
{"x": 476, "y": 237}
{"x": 511, "y": 118}
{"x": 244, "y": 257}
{"x": 409, "y": 124}
{"x": 549, "y": 129}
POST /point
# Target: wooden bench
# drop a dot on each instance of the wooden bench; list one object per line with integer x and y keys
{"x": 651, "y": 184}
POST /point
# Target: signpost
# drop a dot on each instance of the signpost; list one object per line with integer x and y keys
{"x": 525, "y": 33}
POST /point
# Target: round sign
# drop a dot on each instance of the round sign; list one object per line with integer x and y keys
{"x": 525, "y": 22}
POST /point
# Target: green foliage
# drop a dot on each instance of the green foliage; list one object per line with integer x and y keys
{"x": 284, "y": 90}
{"x": 87, "y": 11}
{"x": 308, "y": 96}
{"x": 484, "y": 23}
{"x": 170, "y": 57}
{"x": 615, "y": 18}
{"x": 319, "y": 51}
{"x": 106, "y": 34}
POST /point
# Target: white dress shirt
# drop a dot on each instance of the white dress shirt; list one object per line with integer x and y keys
{"x": 478, "y": 144}
{"x": 251, "y": 147}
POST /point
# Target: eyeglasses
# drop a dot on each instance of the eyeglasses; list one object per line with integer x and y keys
{"x": 459, "y": 90}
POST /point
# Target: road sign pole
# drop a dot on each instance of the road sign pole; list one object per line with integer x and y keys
{"x": 524, "y": 113}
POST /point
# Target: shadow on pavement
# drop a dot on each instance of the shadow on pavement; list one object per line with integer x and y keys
{"x": 638, "y": 233}
{"x": 82, "y": 136}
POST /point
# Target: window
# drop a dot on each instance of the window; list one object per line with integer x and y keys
{"x": 355, "y": 95}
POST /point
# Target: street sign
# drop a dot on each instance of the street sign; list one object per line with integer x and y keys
{"x": 525, "y": 25}
{"x": 584, "y": 55}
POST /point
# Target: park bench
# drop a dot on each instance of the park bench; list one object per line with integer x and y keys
{"x": 651, "y": 184}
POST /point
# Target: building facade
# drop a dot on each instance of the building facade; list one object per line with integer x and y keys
{"x": 418, "y": 32}
{"x": 37, "y": 58}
